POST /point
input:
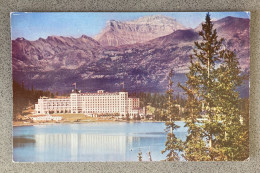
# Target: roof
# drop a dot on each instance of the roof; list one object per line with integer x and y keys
{"x": 75, "y": 91}
{"x": 105, "y": 93}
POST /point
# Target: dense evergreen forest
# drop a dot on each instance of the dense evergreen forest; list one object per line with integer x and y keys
{"x": 24, "y": 97}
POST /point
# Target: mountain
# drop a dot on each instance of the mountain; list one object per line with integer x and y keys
{"x": 56, "y": 62}
{"x": 146, "y": 28}
{"x": 179, "y": 36}
{"x": 237, "y": 35}
{"x": 54, "y": 53}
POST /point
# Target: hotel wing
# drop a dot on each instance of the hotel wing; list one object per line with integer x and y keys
{"x": 92, "y": 104}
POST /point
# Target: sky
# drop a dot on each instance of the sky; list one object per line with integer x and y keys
{"x": 35, "y": 25}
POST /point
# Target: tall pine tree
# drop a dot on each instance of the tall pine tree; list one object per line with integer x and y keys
{"x": 173, "y": 145}
{"x": 211, "y": 89}
{"x": 194, "y": 147}
{"x": 234, "y": 138}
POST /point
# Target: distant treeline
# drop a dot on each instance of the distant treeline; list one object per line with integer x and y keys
{"x": 24, "y": 97}
{"x": 157, "y": 100}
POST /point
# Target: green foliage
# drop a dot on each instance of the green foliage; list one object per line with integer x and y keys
{"x": 22, "y": 98}
{"x": 211, "y": 89}
{"x": 157, "y": 103}
{"x": 244, "y": 136}
{"x": 235, "y": 142}
{"x": 172, "y": 145}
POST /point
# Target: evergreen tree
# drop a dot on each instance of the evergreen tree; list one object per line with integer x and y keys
{"x": 173, "y": 145}
{"x": 211, "y": 89}
{"x": 157, "y": 114}
{"x": 23, "y": 98}
{"x": 235, "y": 135}
{"x": 194, "y": 146}
{"x": 244, "y": 142}
{"x": 207, "y": 55}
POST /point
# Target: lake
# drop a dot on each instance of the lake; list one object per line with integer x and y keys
{"x": 91, "y": 142}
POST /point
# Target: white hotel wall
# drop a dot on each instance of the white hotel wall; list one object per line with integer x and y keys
{"x": 94, "y": 103}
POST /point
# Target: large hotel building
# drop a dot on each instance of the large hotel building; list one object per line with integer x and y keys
{"x": 99, "y": 103}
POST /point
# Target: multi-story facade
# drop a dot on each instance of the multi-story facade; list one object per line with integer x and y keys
{"x": 99, "y": 103}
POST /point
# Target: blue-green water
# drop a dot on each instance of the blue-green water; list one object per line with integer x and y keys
{"x": 99, "y": 141}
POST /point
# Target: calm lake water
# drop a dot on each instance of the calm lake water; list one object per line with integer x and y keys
{"x": 97, "y": 141}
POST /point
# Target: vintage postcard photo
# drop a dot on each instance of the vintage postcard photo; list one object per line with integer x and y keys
{"x": 130, "y": 86}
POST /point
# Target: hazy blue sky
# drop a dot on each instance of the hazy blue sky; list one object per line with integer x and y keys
{"x": 35, "y": 25}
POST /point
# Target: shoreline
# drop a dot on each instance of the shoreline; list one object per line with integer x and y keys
{"x": 21, "y": 123}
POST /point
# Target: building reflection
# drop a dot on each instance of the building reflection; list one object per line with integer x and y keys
{"x": 77, "y": 146}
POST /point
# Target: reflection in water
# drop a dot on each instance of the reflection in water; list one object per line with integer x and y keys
{"x": 22, "y": 141}
{"x": 78, "y": 144}
{"x": 90, "y": 142}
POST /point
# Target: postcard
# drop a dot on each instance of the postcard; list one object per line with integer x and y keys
{"x": 130, "y": 86}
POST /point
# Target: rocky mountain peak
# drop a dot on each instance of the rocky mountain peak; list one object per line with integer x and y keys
{"x": 155, "y": 20}
{"x": 117, "y": 33}
{"x": 52, "y": 37}
{"x": 20, "y": 39}
{"x": 89, "y": 40}
{"x": 84, "y": 36}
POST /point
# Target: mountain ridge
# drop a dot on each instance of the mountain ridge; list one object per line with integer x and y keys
{"x": 56, "y": 62}
{"x": 117, "y": 33}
